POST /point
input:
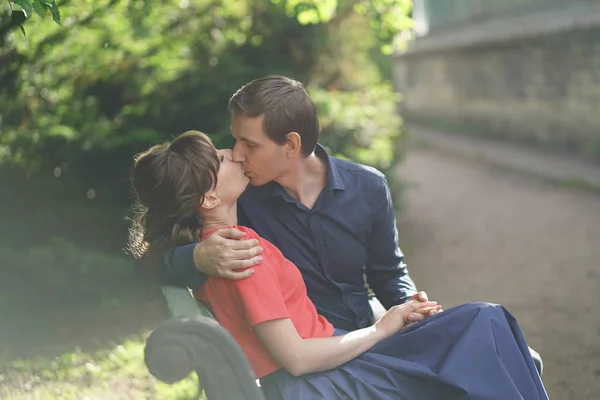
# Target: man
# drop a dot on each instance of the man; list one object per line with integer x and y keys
{"x": 332, "y": 218}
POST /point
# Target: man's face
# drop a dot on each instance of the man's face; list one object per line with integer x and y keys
{"x": 261, "y": 158}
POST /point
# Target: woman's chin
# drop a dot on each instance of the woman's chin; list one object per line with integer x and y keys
{"x": 244, "y": 186}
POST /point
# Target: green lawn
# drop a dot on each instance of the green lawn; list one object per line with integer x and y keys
{"x": 116, "y": 372}
{"x": 73, "y": 327}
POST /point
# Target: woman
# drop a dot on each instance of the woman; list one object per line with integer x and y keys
{"x": 187, "y": 190}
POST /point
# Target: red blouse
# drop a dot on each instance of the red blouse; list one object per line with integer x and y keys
{"x": 275, "y": 291}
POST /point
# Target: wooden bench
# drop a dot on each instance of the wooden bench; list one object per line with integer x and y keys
{"x": 191, "y": 340}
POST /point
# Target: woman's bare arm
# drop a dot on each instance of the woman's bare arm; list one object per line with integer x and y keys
{"x": 302, "y": 356}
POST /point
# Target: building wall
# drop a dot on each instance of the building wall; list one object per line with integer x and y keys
{"x": 509, "y": 80}
{"x": 436, "y": 16}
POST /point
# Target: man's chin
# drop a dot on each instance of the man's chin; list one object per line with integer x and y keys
{"x": 257, "y": 182}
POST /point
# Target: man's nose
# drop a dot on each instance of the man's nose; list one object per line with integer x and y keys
{"x": 236, "y": 154}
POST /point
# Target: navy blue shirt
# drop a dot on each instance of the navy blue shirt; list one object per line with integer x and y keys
{"x": 349, "y": 234}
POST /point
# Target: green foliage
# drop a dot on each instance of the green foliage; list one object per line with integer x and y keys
{"x": 79, "y": 99}
{"x": 66, "y": 268}
{"x": 387, "y": 18}
{"x": 19, "y": 15}
{"x": 309, "y": 12}
{"x": 41, "y": 7}
{"x": 83, "y": 97}
{"x": 363, "y": 127}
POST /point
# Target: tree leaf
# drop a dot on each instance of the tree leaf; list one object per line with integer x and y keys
{"x": 25, "y": 5}
{"x": 17, "y": 18}
{"x": 307, "y": 17}
{"x": 51, "y": 4}
{"x": 39, "y": 7}
{"x": 23, "y": 30}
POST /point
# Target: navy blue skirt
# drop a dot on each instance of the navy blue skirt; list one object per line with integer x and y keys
{"x": 475, "y": 351}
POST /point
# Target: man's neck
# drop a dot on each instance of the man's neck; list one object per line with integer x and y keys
{"x": 305, "y": 180}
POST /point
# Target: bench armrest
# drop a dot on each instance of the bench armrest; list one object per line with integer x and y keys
{"x": 181, "y": 345}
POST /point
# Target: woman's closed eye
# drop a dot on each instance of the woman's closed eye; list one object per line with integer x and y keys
{"x": 222, "y": 157}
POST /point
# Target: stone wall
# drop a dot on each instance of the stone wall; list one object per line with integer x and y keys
{"x": 433, "y": 16}
{"x": 534, "y": 80}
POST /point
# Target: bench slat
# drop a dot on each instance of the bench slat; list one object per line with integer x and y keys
{"x": 181, "y": 303}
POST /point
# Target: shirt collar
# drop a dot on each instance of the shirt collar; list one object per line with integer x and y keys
{"x": 333, "y": 182}
{"x": 334, "y": 178}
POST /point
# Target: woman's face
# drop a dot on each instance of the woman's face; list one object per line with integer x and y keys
{"x": 231, "y": 181}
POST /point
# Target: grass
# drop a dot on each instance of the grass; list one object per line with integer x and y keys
{"x": 579, "y": 184}
{"x": 74, "y": 315}
{"x": 116, "y": 373}
{"x": 74, "y": 324}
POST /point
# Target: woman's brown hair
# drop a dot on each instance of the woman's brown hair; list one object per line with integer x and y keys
{"x": 169, "y": 182}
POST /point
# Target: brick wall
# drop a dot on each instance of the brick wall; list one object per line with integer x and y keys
{"x": 537, "y": 89}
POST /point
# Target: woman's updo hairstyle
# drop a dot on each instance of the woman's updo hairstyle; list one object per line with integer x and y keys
{"x": 169, "y": 182}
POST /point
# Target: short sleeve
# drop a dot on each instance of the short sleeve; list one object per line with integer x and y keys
{"x": 260, "y": 296}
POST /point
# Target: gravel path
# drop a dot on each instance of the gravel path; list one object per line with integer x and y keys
{"x": 471, "y": 232}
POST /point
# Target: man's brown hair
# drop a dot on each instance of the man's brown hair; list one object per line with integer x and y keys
{"x": 286, "y": 106}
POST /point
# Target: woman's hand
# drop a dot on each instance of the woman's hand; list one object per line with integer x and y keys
{"x": 400, "y": 316}
{"x": 422, "y": 296}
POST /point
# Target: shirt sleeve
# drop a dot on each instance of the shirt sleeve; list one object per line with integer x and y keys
{"x": 386, "y": 271}
{"x": 178, "y": 268}
{"x": 260, "y": 296}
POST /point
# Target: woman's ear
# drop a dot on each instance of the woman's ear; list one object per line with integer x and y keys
{"x": 210, "y": 200}
{"x": 293, "y": 146}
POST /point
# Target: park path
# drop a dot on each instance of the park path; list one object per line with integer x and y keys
{"x": 473, "y": 232}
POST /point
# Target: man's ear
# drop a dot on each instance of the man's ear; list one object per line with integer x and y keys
{"x": 210, "y": 201}
{"x": 293, "y": 145}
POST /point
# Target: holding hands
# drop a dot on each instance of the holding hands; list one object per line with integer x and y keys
{"x": 403, "y": 315}
{"x": 422, "y": 297}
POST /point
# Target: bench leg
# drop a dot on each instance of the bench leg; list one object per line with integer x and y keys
{"x": 537, "y": 360}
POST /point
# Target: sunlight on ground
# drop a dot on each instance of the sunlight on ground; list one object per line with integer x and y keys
{"x": 116, "y": 373}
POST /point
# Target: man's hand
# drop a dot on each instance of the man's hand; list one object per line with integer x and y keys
{"x": 422, "y": 297}
{"x": 400, "y": 316}
{"x": 224, "y": 251}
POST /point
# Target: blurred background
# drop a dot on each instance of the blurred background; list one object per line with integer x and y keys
{"x": 484, "y": 114}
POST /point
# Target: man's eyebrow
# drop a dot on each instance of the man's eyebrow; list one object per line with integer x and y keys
{"x": 246, "y": 140}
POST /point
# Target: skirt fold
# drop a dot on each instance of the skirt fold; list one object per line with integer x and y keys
{"x": 475, "y": 351}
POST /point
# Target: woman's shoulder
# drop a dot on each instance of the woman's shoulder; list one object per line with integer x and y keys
{"x": 268, "y": 247}
{"x": 250, "y": 233}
